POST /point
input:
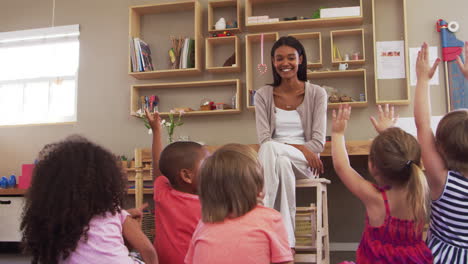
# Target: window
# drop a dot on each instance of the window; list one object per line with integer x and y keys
{"x": 38, "y": 75}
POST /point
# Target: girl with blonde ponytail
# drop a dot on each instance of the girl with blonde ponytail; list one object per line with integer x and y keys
{"x": 397, "y": 207}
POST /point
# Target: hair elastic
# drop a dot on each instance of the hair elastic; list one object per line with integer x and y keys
{"x": 408, "y": 163}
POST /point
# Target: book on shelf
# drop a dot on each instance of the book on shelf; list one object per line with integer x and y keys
{"x": 140, "y": 56}
{"x": 187, "y": 54}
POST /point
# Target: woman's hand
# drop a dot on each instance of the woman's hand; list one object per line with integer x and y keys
{"x": 313, "y": 159}
{"x": 386, "y": 118}
{"x": 340, "y": 120}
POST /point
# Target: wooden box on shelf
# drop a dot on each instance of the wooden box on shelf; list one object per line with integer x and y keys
{"x": 136, "y": 91}
{"x": 251, "y": 66}
{"x": 136, "y": 15}
{"x": 250, "y": 5}
{"x": 213, "y": 64}
{"x": 215, "y": 6}
{"x": 359, "y": 74}
{"x": 390, "y": 24}
{"x": 312, "y": 43}
{"x": 349, "y": 42}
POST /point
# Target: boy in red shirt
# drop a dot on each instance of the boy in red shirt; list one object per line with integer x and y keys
{"x": 177, "y": 207}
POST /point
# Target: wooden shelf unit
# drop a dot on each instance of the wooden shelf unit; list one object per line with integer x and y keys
{"x": 314, "y": 36}
{"x": 135, "y": 95}
{"x": 136, "y": 14}
{"x": 358, "y": 73}
{"x": 297, "y": 24}
{"x": 214, "y": 4}
{"x": 349, "y": 33}
{"x": 210, "y": 56}
{"x": 397, "y": 31}
{"x": 250, "y": 65}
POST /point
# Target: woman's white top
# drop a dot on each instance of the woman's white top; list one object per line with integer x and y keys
{"x": 288, "y": 127}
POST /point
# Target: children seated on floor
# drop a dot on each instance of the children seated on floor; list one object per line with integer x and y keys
{"x": 396, "y": 208}
{"x": 234, "y": 229}
{"x": 177, "y": 207}
{"x": 73, "y": 212}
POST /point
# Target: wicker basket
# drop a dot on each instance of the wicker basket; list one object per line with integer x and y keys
{"x": 147, "y": 225}
{"x": 306, "y": 226}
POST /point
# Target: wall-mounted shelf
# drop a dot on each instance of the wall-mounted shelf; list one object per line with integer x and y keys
{"x": 138, "y": 90}
{"x": 348, "y": 41}
{"x": 223, "y": 7}
{"x": 252, "y": 61}
{"x": 312, "y": 43}
{"x": 357, "y": 78}
{"x": 393, "y": 26}
{"x": 251, "y": 5}
{"x": 214, "y": 60}
{"x": 137, "y": 15}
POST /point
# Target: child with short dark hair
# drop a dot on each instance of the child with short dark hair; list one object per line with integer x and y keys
{"x": 397, "y": 207}
{"x": 73, "y": 208}
{"x": 177, "y": 207}
{"x": 445, "y": 158}
{"x": 234, "y": 229}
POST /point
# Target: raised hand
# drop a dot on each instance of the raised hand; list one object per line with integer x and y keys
{"x": 464, "y": 67}
{"x": 340, "y": 119}
{"x": 154, "y": 120}
{"x": 386, "y": 118}
{"x": 423, "y": 70}
{"x": 137, "y": 213}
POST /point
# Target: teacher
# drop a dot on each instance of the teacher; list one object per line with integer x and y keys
{"x": 291, "y": 117}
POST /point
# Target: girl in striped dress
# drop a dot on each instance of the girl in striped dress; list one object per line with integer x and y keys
{"x": 396, "y": 208}
{"x": 445, "y": 158}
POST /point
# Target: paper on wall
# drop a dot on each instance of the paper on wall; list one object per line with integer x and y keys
{"x": 433, "y": 55}
{"x": 408, "y": 124}
{"x": 391, "y": 60}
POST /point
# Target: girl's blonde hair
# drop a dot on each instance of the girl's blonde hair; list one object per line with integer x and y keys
{"x": 452, "y": 140}
{"x": 229, "y": 183}
{"x": 397, "y": 157}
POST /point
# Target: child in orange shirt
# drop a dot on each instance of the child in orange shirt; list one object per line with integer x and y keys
{"x": 234, "y": 229}
{"x": 177, "y": 208}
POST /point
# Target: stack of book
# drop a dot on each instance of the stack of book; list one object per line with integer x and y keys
{"x": 140, "y": 56}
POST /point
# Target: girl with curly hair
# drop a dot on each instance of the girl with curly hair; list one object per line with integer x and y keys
{"x": 73, "y": 208}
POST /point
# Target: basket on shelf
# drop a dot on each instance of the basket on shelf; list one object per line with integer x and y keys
{"x": 147, "y": 225}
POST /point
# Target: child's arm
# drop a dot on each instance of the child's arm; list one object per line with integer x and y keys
{"x": 464, "y": 67}
{"x": 353, "y": 181}
{"x": 436, "y": 172}
{"x": 155, "y": 122}
{"x": 137, "y": 240}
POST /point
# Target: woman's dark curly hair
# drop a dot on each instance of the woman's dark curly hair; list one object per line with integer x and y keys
{"x": 73, "y": 181}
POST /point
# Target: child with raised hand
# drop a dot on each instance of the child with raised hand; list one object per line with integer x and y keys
{"x": 396, "y": 207}
{"x": 445, "y": 159}
{"x": 73, "y": 211}
{"x": 177, "y": 207}
{"x": 234, "y": 229}
{"x": 464, "y": 66}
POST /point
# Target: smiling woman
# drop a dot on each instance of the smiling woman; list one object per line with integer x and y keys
{"x": 291, "y": 122}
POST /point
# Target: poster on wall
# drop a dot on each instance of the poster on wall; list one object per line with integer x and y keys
{"x": 433, "y": 55}
{"x": 391, "y": 60}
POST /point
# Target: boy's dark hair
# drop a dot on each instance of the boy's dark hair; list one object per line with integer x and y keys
{"x": 73, "y": 181}
{"x": 177, "y": 156}
{"x": 293, "y": 43}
